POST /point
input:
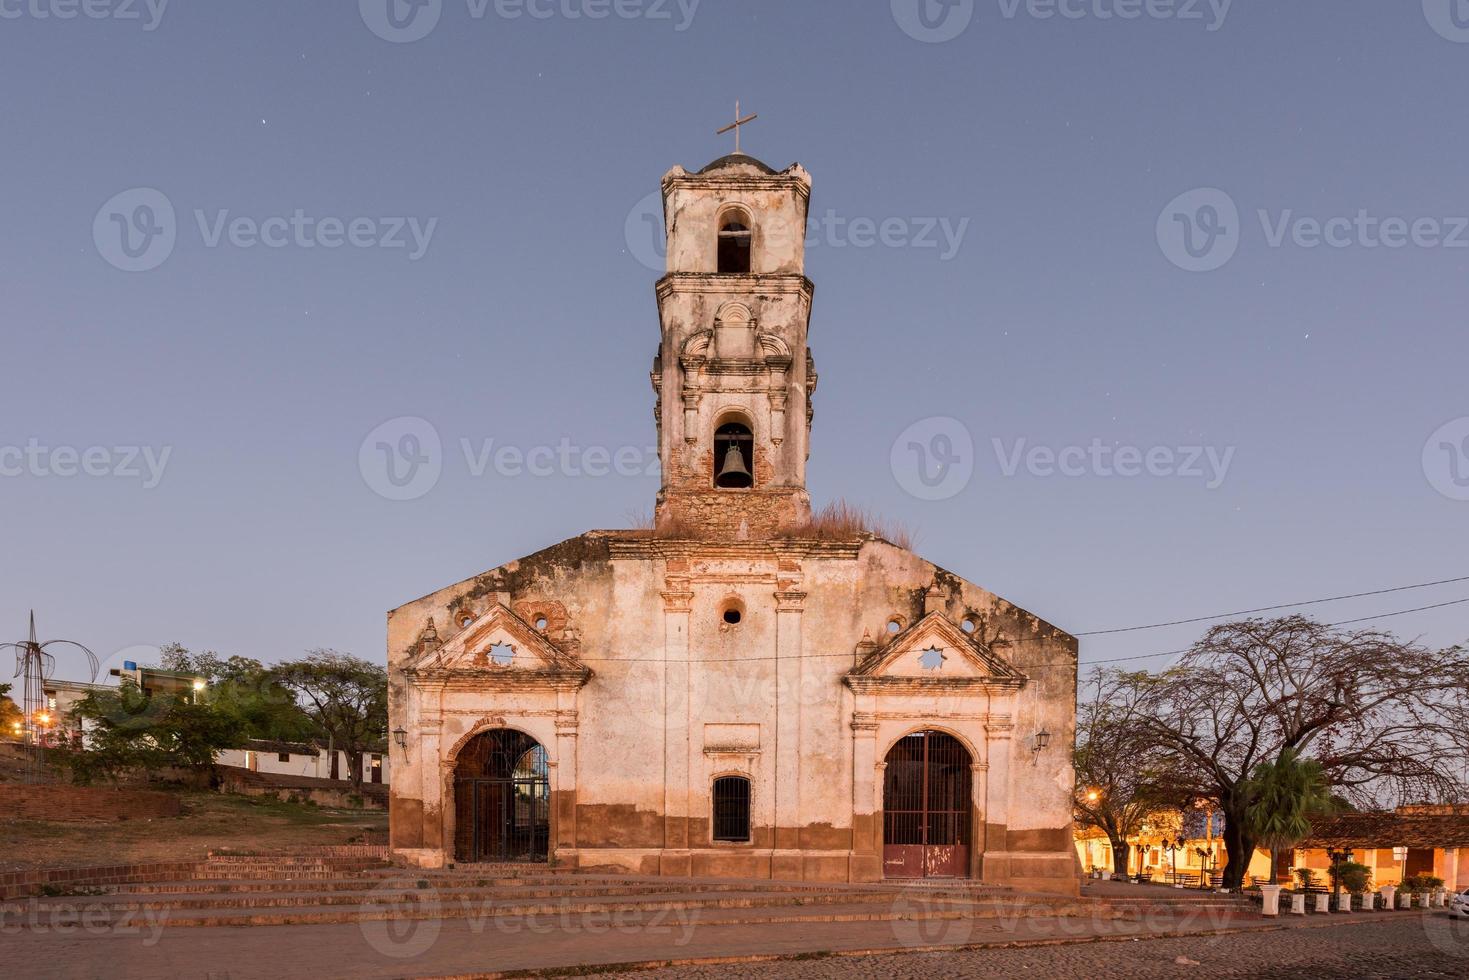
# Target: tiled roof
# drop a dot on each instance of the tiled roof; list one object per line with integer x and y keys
{"x": 1361, "y": 830}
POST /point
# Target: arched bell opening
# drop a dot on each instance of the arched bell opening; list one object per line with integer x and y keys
{"x": 734, "y": 451}
{"x": 927, "y": 807}
{"x": 502, "y": 799}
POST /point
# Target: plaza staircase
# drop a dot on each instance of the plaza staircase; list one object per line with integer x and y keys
{"x": 359, "y": 885}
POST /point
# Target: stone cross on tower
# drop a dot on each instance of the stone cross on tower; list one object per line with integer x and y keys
{"x": 735, "y": 126}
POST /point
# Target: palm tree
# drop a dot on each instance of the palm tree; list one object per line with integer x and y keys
{"x": 1284, "y": 795}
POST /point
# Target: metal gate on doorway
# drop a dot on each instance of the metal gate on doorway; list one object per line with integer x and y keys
{"x": 502, "y": 799}
{"x": 927, "y": 808}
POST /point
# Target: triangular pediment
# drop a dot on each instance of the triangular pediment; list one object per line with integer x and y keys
{"x": 935, "y": 648}
{"x": 498, "y": 641}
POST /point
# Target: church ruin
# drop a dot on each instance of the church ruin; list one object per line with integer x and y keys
{"x": 729, "y": 694}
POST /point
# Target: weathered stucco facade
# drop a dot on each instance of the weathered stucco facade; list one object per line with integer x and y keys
{"x": 732, "y": 660}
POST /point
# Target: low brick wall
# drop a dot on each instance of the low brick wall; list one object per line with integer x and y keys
{"x": 84, "y": 803}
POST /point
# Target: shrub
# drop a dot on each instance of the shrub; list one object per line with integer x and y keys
{"x": 1422, "y": 883}
{"x": 1355, "y": 877}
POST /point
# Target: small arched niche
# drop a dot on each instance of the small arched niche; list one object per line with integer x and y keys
{"x": 736, "y": 238}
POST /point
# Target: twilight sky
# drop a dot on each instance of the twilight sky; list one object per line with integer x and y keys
{"x": 1221, "y": 247}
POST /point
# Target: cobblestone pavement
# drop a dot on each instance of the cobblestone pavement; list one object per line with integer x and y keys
{"x": 1409, "y": 947}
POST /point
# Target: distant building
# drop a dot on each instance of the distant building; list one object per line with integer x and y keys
{"x": 311, "y": 760}
{"x": 1410, "y": 840}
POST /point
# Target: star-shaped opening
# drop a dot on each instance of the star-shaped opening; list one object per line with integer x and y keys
{"x": 932, "y": 659}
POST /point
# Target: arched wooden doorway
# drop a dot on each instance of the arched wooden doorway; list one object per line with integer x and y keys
{"x": 502, "y": 799}
{"x": 927, "y": 809}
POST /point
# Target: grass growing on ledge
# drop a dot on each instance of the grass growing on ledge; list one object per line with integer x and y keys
{"x": 837, "y": 521}
{"x": 843, "y": 521}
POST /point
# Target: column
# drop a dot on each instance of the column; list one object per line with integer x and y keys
{"x": 788, "y": 823}
{"x": 677, "y": 606}
{"x": 563, "y": 793}
{"x": 866, "y": 800}
{"x": 998, "y": 745}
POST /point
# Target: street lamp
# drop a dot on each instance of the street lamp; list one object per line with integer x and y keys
{"x": 1170, "y": 846}
{"x": 400, "y": 736}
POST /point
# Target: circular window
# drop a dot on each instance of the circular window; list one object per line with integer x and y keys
{"x": 970, "y": 624}
{"x": 465, "y": 621}
{"x": 732, "y": 616}
{"x": 541, "y": 623}
{"x": 895, "y": 625}
{"x": 732, "y": 613}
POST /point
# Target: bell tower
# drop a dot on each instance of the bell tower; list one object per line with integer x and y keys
{"x": 733, "y": 375}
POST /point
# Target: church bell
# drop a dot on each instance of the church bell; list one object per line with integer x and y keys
{"x": 734, "y": 475}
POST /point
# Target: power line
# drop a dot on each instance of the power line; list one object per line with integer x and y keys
{"x": 1283, "y": 605}
{"x": 1344, "y": 622}
{"x": 1084, "y": 663}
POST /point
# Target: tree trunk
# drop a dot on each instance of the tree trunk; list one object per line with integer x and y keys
{"x": 1239, "y": 848}
{"x": 354, "y": 767}
{"x": 1119, "y": 855}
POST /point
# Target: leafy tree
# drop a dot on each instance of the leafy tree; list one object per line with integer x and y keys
{"x": 132, "y": 730}
{"x": 10, "y": 713}
{"x": 246, "y": 690}
{"x": 346, "y": 697}
{"x": 1385, "y": 719}
{"x": 1121, "y": 776}
{"x": 1284, "y": 794}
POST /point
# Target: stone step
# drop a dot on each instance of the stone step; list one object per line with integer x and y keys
{"x": 511, "y": 901}
{"x": 623, "y": 915}
{"x": 358, "y": 885}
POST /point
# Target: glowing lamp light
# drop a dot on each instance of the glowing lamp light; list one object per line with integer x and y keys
{"x": 199, "y": 684}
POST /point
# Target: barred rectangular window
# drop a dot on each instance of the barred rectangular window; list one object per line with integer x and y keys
{"x": 732, "y": 809}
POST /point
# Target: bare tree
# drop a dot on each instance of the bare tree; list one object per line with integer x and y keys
{"x": 1122, "y": 775}
{"x": 1383, "y": 717}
